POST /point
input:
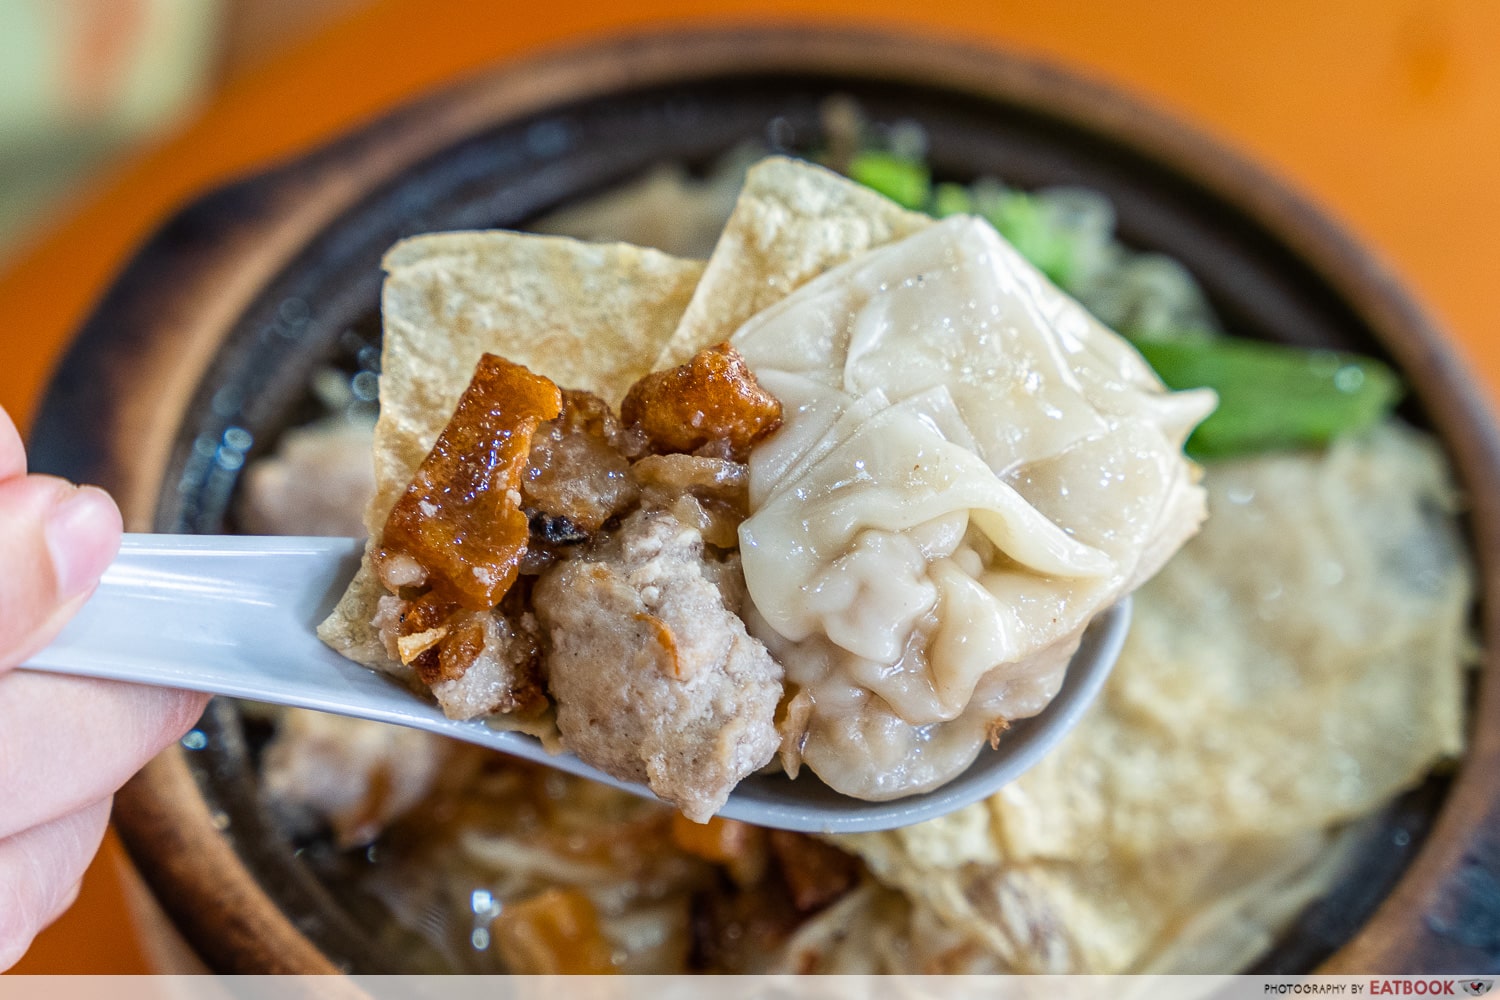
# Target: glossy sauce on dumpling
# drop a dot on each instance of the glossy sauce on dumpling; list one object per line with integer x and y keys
{"x": 970, "y": 468}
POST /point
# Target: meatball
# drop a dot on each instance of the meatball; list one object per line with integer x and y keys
{"x": 655, "y": 679}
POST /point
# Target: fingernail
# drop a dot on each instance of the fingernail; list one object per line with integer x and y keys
{"x": 83, "y": 535}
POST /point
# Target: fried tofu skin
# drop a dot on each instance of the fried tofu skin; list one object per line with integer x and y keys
{"x": 461, "y": 517}
{"x": 713, "y": 401}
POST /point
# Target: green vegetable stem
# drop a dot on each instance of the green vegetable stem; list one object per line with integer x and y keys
{"x": 1272, "y": 396}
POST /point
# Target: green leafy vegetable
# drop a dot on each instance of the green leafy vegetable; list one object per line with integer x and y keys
{"x": 905, "y": 181}
{"x": 1272, "y": 396}
{"x": 951, "y": 199}
{"x": 1029, "y": 226}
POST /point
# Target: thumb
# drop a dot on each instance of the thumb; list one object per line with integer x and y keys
{"x": 55, "y": 541}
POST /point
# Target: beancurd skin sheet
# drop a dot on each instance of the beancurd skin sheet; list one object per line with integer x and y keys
{"x": 793, "y": 221}
{"x": 1299, "y": 664}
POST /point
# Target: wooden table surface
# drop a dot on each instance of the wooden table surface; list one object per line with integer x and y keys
{"x": 1387, "y": 112}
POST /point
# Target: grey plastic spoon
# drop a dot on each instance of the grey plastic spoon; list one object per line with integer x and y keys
{"x": 235, "y": 615}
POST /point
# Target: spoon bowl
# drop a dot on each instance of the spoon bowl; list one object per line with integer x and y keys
{"x": 236, "y": 615}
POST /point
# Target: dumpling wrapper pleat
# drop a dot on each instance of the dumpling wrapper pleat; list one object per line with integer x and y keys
{"x": 933, "y": 383}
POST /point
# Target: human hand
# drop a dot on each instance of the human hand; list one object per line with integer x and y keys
{"x": 66, "y": 743}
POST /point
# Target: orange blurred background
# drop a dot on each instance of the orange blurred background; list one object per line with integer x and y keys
{"x": 1387, "y": 112}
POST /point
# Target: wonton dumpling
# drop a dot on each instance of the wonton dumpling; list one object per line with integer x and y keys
{"x": 970, "y": 468}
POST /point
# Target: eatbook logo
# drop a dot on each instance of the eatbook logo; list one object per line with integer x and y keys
{"x": 1478, "y": 987}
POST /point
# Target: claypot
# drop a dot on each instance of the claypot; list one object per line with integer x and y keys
{"x": 216, "y": 322}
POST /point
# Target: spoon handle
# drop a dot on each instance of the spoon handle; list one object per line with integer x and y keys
{"x": 226, "y": 614}
{"x": 237, "y": 616}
